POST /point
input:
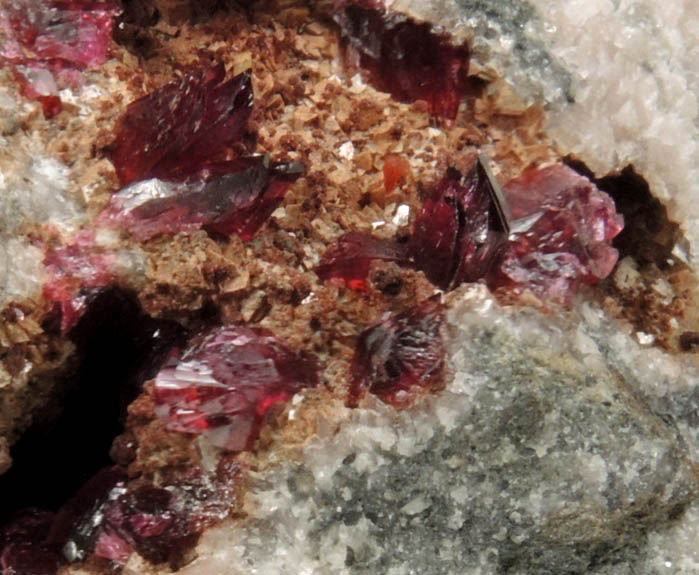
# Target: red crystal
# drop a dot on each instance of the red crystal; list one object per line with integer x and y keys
{"x": 402, "y": 352}
{"x": 172, "y": 131}
{"x": 79, "y": 523}
{"x": 225, "y": 382}
{"x": 405, "y": 58}
{"x": 453, "y": 241}
{"x": 561, "y": 235}
{"x": 395, "y": 170}
{"x": 53, "y": 41}
{"x": 236, "y": 196}
{"x": 77, "y": 33}
{"x": 75, "y": 271}
{"x": 350, "y": 259}
{"x": 24, "y": 549}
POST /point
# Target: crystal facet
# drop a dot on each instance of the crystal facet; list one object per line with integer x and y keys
{"x": 172, "y": 131}
{"x": 561, "y": 234}
{"x": 224, "y": 383}
{"x": 402, "y": 352}
{"x": 236, "y": 196}
{"x": 403, "y": 57}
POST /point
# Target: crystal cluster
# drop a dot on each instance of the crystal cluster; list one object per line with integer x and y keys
{"x": 226, "y": 381}
{"x": 112, "y": 518}
{"x": 560, "y": 232}
{"x": 172, "y": 152}
{"x": 402, "y": 352}
{"x": 403, "y": 57}
{"x": 49, "y": 43}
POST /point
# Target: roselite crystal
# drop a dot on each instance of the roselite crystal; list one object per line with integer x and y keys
{"x": 112, "y": 517}
{"x": 45, "y": 43}
{"x": 350, "y": 259}
{"x": 454, "y": 239}
{"x": 547, "y": 232}
{"x": 235, "y": 196}
{"x": 403, "y": 57}
{"x": 226, "y": 380}
{"x": 171, "y": 132}
{"x": 75, "y": 272}
{"x": 402, "y": 352}
{"x": 561, "y": 234}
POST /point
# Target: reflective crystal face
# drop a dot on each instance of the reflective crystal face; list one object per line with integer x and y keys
{"x": 172, "y": 131}
{"x": 402, "y": 352}
{"x": 405, "y": 58}
{"x": 226, "y": 381}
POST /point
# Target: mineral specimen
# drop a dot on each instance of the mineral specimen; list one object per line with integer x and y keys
{"x": 403, "y": 57}
{"x": 402, "y": 352}
{"x": 172, "y": 131}
{"x": 225, "y": 382}
{"x": 112, "y": 518}
{"x": 235, "y": 196}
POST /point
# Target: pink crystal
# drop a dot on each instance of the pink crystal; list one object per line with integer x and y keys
{"x": 75, "y": 272}
{"x": 350, "y": 259}
{"x": 77, "y": 33}
{"x": 405, "y": 58}
{"x": 172, "y": 131}
{"x": 54, "y": 40}
{"x": 224, "y": 383}
{"x": 562, "y": 232}
{"x": 236, "y": 196}
{"x": 402, "y": 352}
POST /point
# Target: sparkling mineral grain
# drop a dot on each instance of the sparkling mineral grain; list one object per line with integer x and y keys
{"x": 225, "y": 382}
{"x": 402, "y": 352}
{"x": 172, "y": 131}
{"x": 234, "y": 196}
{"x": 403, "y": 57}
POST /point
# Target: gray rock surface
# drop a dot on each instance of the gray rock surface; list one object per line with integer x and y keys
{"x": 540, "y": 457}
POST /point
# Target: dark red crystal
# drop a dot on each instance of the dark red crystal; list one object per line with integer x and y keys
{"x": 561, "y": 234}
{"x": 350, "y": 259}
{"x": 235, "y": 196}
{"x": 403, "y": 57}
{"x": 172, "y": 131}
{"x": 24, "y": 549}
{"x": 402, "y": 352}
{"x": 224, "y": 383}
{"x": 79, "y": 523}
{"x": 453, "y": 240}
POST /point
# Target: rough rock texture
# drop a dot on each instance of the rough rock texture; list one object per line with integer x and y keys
{"x": 561, "y": 442}
{"x": 537, "y": 458}
{"x": 633, "y": 83}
